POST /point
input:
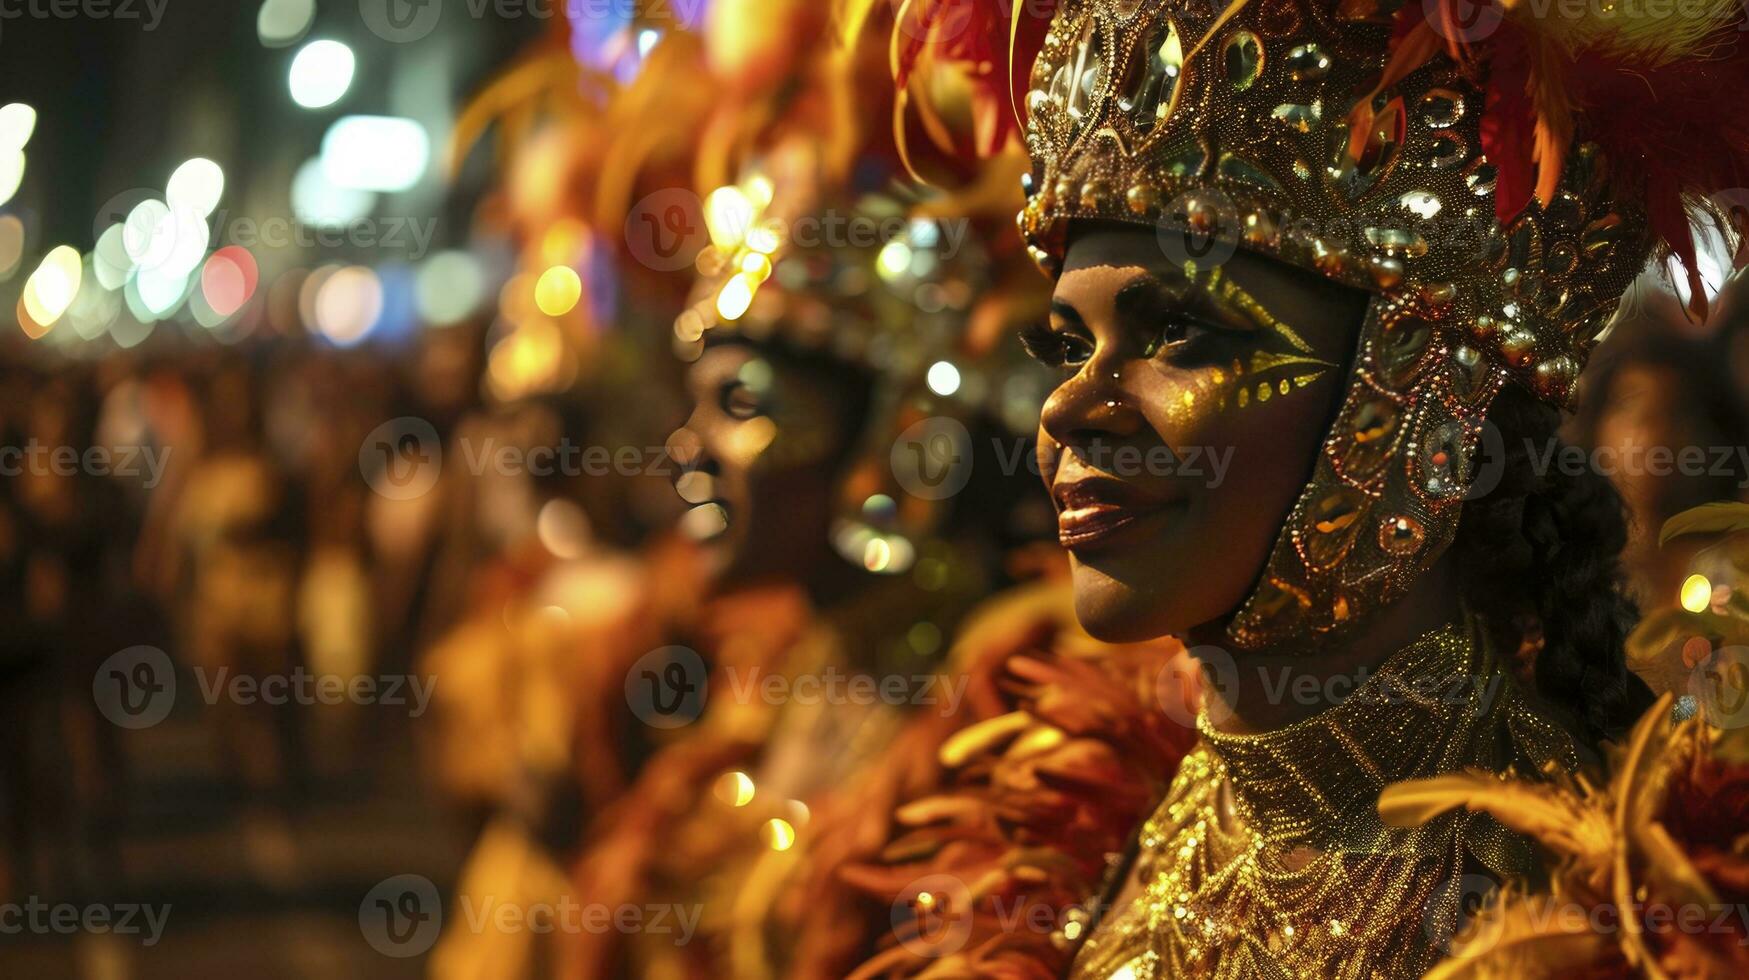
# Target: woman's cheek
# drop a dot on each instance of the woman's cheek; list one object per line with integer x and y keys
{"x": 1185, "y": 407}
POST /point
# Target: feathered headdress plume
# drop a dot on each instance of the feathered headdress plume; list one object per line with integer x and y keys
{"x": 959, "y": 67}
{"x": 1641, "y": 81}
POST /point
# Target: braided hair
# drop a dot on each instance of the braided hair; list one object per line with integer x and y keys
{"x": 1539, "y": 556}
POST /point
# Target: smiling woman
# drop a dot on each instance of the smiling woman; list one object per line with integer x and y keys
{"x": 1157, "y": 359}
{"x": 1336, "y": 245}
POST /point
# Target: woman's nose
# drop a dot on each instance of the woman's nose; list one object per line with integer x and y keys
{"x": 1092, "y": 405}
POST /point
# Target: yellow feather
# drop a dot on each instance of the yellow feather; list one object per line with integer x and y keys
{"x": 1620, "y": 29}
{"x": 1546, "y": 812}
{"x": 1522, "y": 939}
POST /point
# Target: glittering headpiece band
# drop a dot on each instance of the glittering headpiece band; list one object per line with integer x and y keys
{"x": 1300, "y": 130}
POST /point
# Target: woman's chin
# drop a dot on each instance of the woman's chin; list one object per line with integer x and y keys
{"x": 1113, "y": 612}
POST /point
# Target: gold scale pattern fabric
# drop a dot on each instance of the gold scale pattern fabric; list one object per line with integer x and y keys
{"x": 1244, "y": 142}
{"x": 1268, "y": 858}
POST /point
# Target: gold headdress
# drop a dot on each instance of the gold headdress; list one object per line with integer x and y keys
{"x": 1300, "y": 129}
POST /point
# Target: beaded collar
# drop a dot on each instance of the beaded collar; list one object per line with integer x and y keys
{"x": 1268, "y": 859}
{"x": 1430, "y": 708}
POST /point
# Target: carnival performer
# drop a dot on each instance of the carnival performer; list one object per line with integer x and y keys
{"x": 1363, "y": 250}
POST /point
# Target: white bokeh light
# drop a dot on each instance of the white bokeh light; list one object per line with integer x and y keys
{"x": 321, "y": 72}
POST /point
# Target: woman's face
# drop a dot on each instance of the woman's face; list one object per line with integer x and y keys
{"x": 1188, "y": 420}
{"x": 758, "y": 453}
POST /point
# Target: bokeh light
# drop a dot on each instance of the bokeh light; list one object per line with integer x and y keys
{"x": 318, "y": 201}
{"x": 110, "y": 260}
{"x": 11, "y": 244}
{"x": 375, "y": 153}
{"x": 734, "y": 788}
{"x": 558, "y": 290}
{"x": 11, "y": 173}
{"x": 281, "y": 23}
{"x": 735, "y": 297}
{"x": 1697, "y": 593}
{"x": 197, "y": 186}
{"x": 348, "y": 305}
{"x": 54, "y": 284}
{"x": 321, "y": 72}
{"x": 228, "y": 280}
{"x": 943, "y": 378}
{"x": 17, "y": 123}
{"x": 450, "y": 287}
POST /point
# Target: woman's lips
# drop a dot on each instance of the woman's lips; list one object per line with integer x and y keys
{"x": 1091, "y": 513}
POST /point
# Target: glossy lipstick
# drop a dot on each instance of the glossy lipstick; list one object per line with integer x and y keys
{"x": 1093, "y": 510}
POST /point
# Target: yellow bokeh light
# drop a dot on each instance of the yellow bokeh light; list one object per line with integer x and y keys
{"x": 894, "y": 260}
{"x": 756, "y": 266}
{"x": 563, "y": 242}
{"x": 527, "y": 361}
{"x": 760, "y": 191}
{"x": 51, "y": 288}
{"x": 735, "y": 788}
{"x": 778, "y": 834}
{"x": 735, "y": 297}
{"x": 1697, "y": 593}
{"x": 28, "y": 324}
{"x": 877, "y": 555}
{"x": 558, "y": 290}
{"x": 764, "y": 240}
{"x": 728, "y": 215}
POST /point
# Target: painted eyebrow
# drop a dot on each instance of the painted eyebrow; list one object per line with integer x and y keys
{"x": 1144, "y": 300}
{"x": 1064, "y": 310}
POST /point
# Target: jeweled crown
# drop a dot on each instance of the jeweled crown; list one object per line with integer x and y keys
{"x": 1243, "y": 137}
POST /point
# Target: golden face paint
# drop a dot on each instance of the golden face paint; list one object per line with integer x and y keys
{"x": 1297, "y": 358}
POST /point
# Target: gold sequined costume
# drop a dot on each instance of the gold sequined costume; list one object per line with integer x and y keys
{"x": 1268, "y": 857}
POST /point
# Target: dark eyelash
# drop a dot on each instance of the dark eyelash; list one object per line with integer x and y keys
{"x": 1048, "y": 347}
{"x": 1175, "y": 324}
{"x": 1041, "y": 343}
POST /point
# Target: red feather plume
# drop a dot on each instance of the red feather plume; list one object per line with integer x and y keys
{"x": 1658, "y": 99}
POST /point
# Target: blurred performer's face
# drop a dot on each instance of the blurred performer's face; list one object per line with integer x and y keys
{"x": 1644, "y": 408}
{"x": 759, "y": 455}
{"x": 1187, "y": 423}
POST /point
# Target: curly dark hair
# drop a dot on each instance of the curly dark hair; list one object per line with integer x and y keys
{"x": 1540, "y": 555}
